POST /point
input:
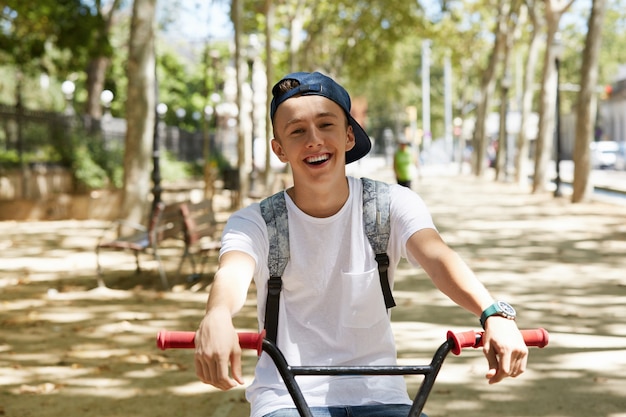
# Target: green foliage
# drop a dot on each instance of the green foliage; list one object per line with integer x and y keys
{"x": 94, "y": 164}
{"x": 9, "y": 159}
{"x": 186, "y": 84}
{"x": 86, "y": 170}
{"x": 31, "y": 29}
{"x": 172, "y": 169}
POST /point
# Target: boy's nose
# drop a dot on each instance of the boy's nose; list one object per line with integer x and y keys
{"x": 314, "y": 138}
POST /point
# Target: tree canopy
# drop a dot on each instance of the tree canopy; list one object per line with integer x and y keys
{"x": 372, "y": 46}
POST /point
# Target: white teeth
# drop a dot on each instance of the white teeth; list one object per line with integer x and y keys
{"x": 319, "y": 158}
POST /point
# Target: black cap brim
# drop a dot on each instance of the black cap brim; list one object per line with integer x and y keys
{"x": 362, "y": 142}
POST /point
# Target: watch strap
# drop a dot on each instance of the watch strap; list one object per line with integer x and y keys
{"x": 493, "y": 310}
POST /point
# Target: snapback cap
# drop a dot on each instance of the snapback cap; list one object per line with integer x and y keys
{"x": 316, "y": 83}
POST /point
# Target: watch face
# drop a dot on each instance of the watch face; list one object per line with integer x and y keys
{"x": 506, "y": 308}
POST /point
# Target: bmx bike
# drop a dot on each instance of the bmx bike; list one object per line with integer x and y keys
{"x": 454, "y": 343}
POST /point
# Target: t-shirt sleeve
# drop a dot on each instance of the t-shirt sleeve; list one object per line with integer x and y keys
{"x": 245, "y": 231}
{"x": 409, "y": 214}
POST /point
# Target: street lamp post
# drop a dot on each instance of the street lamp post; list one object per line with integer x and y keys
{"x": 210, "y": 123}
{"x": 557, "y": 45}
{"x": 68, "y": 88}
{"x": 457, "y": 133}
{"x": 161, "y": 109}
{"x": 176, "y": 140}
{"x": 106, "y": 97}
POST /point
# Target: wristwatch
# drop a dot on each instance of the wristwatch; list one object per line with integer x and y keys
{"x": 499, "y": 308}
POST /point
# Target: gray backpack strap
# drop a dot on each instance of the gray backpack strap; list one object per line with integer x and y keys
{"x": 376, "y": 207}
{"x": 274, "y": 212}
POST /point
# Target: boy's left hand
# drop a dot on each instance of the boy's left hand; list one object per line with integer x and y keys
{"x": 504, "y": 348}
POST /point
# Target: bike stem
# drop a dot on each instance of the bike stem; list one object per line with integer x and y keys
{"x": 289, "y": 373}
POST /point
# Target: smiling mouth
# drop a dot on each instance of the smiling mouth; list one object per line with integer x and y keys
{"x": 318, "y": 159}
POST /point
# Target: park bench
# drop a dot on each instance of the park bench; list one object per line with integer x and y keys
{"x": 165, "y": 223}
{"x": 201, "y": 234}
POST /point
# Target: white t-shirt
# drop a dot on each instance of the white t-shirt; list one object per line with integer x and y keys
{"x": 332, "y": 310}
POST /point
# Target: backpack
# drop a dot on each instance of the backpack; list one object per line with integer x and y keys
{"x": 375, "y": 223}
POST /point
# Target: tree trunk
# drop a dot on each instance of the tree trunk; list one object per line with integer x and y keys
{"x": 479, "y": 139}
{"x": 547, "y": 103}
{"x": 140, "y": 112}
{"x": 97, "y": 67}
{"x": 270, "y": 17}
{"x": 295, "y": 28}
{"x": 502, "y": 151}
{"x": 521, "y": 162}
{"x": 237, "y": 7}
{"x": 96, "y": 72}
{"x": 502, "y": 160}
{"x": 587, "y": 103}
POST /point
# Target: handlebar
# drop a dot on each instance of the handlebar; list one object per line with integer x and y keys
{"x": 454, "y": 343}
{"x": 532, "y": 337}
{"x": 248, "y": 340}
{"x": 185, "y": 340}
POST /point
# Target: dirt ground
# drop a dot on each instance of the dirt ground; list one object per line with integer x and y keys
{"x": 69, "y": 348}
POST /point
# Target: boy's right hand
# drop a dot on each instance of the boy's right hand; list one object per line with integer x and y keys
{"x": 218, "y": 353}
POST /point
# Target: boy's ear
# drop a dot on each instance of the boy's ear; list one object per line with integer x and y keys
{"x": 277, "y": 148}
{"x": 350, "y": 139}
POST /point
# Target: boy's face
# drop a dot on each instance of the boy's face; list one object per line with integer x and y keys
{"x": 312, "y": 135}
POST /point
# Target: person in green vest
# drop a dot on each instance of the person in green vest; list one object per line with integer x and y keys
{"x": 403, "y": 162}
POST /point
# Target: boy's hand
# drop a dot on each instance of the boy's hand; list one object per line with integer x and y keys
{"x": 504, "y": 349}
{"x": 218, "y": 353}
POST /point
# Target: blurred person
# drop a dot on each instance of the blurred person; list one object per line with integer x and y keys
{"x": 404, "y": 164}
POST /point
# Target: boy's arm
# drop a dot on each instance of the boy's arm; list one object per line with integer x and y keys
{"x": 217, "y": 345}
{"x": 503, "y": 344}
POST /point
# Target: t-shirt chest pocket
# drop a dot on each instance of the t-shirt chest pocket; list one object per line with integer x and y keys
{"x": 364, "y": 304}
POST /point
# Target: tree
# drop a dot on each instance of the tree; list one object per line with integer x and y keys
{"x": 521, "y": 165}
{"x": 99, "y": 56}
{"x": 49, "y": 37}
{"x": 513, "y": 20}
{"x": 244, "y": 184}
{"x": 554, "y": 9}
{"x": 488, "y": 86}
{"x": 270, "y": 15}
{"x": 140, "y": 111}
{"x": 587, "y": 101}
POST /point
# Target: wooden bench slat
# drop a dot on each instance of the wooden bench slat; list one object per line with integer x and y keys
{"x": 200, "y": 231}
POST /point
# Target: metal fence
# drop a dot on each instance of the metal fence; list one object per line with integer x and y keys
{"x": 33, "y": 145}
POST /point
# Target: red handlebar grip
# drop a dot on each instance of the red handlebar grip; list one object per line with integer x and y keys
{"x": 175, "y": 340}
{"x": 536, "y": 337}
{"x": 532, "y": 337}
{"x": 462, "y": 340}
{"x": 185, "y": 340}
{"x": 252, "y": 341}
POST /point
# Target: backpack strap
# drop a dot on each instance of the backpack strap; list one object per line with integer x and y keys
{"x": 274, "y": 212}
{"x": 377, "y": 226}
{"x": 376, "y": 207}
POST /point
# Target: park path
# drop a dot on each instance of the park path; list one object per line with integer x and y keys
{"x": 69, "y": 348}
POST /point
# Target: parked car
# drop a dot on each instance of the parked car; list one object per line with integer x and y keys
{"x": 620, "y": 158}
{"x": 605, "y": 154}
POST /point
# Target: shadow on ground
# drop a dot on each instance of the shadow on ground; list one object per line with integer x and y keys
{"x": 68, "y": 347}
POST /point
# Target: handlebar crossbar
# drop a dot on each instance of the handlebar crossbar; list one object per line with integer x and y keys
{"x": 249, "y": 340}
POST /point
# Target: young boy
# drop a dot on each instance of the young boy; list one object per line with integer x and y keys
{"x": 329, "y": 314}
